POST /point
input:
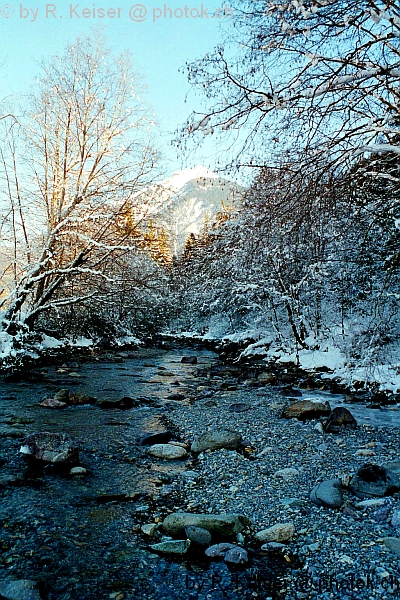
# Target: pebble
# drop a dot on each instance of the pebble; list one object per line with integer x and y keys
{"x": 236, "y": 556}
{"x": 149, "y": 529}
{"x": 287, "y": 474}
{"x": 273, "y": 547}
{"x": 327, "y": 493}
{"x": 78, "y": 471}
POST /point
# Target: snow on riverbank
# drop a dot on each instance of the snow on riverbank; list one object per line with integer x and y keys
{"x": 377, "y": 374}
{"x": 14, "y": 350}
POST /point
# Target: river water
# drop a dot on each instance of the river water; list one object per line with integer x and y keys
{"x": 79, "y": 537}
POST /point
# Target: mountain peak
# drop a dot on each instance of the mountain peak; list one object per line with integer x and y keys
{"x": 180, "y": 178}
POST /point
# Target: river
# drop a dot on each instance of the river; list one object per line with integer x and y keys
{"x": 79, "y": 537}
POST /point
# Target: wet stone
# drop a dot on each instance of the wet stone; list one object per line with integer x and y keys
{"x": 273, "y": 547}
{"x": 239, "y": 407}
{"x": 223, "y": 525}
{"x": 339, "y": 419}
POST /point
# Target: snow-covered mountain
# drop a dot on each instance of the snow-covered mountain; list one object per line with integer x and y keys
{"x": 189, "y": 198}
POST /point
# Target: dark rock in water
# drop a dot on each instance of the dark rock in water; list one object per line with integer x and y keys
{"x": 198, "y": 535}
{"x": 236, "y": 556}
{"x": 372, "y": 480}
{"x": 340, "y": 418}
{"x": 79, "y": 399}
{"x": 309, "y": 384}
{"x": 327, "y": 493}
{"x": 23, "y": 589}
{"x": 306, "y": 409}
{"x": 51, "y": 447}
{"x": 163, "y": 437}
{"x": 189, "y": 360}
{"x": 219, "y": 550}
{"x": 215, "y": 440}
{"x": 289, "y": 391}
{"x": 124, "y": 403}
{"x": 176, "y": 397}
{"x": 239, "y": 407}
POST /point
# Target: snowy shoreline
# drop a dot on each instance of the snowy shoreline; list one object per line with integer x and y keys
{"x": 380, "y": 383}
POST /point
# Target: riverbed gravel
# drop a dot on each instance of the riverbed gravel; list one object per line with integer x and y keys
{"x": 341, "y": 551}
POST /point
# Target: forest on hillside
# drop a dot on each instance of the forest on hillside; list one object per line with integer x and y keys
{"x": 306, "y": 95}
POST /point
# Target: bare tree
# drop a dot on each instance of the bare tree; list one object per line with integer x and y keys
{"x": 83, "y": 151}
{"x": 321, "y": 75}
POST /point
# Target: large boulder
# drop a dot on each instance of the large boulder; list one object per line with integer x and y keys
{"x": 340, "y": 418}
{"x": 51, "y": 447}
{"x": 306, "y": 409}
{"x": 223, "y": 525}
{"x": 215, "y": 440}
{"x": 372, "y": 480}
{"x": 328, "y": 493}
{"x": 124, "y": 403}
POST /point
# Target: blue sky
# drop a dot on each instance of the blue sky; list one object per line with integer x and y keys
{"x": 159, "y": 45}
